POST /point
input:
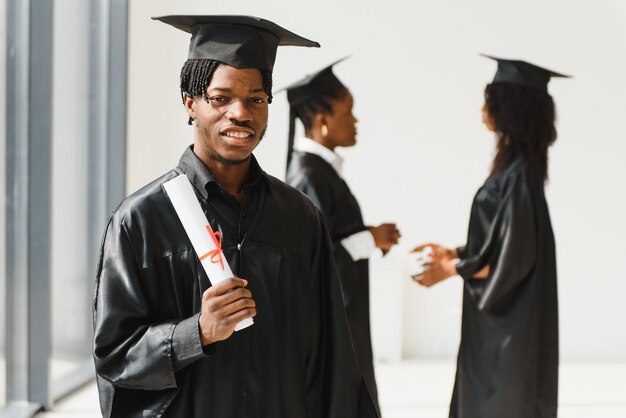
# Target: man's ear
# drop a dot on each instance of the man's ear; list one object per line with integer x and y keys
{"x": 190, "y": 105}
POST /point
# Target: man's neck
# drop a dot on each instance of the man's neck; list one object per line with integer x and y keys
{"x": 230, "y": 177}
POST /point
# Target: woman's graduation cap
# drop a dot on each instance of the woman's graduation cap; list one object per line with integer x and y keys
{"x": 313, "y": 85}
{"x": 239, "y": 41}
{"x": 523, "y": 73}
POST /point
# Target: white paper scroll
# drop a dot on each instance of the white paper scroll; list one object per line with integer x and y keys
{"x": 205, "y": 241}
{"x": 416, "y": 262}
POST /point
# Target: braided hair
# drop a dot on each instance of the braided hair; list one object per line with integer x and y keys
{"x": 307, "y": 109}
{"x": 196, "y": 74}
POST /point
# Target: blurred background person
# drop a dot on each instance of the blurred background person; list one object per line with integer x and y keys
{"x": 324, "y": 106}
{"x": 509, "y": 353}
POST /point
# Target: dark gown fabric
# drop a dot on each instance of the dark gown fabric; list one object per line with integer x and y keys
{"x": 315, "y": 177}
{"x": 509, "y": 352}
{"x": 295, "y": 361}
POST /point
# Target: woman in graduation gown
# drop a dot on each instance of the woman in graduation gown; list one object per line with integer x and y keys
{"x": 508, "y": 357}
{"x": 324, "y": 106}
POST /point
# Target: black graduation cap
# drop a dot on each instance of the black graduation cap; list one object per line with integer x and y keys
{"x": 313, "y": 85}
{"x": 239, "y": 41}
{"x": 523, "y": 73}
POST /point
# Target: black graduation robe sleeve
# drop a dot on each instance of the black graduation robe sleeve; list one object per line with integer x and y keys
{"x": 132, "y": 349}
{"x": 509, "y": 247}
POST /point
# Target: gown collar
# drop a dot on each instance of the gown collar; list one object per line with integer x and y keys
{"x": 304, "y": 144}
{"x": 202, "y": 179}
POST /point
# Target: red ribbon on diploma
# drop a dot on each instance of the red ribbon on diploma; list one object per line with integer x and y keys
{"x": 216, "y": 254}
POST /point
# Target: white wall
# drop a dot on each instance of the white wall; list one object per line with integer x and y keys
{"x": 422, "y": 152}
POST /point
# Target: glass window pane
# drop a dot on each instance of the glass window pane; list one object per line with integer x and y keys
{"x": 72, "y": 278}
{"x": 2, "y": 205}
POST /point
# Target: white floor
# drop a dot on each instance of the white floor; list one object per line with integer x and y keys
{"x": 417, "y": 389}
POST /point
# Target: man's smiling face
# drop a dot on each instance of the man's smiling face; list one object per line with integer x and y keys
{"x": 232, "y": 118}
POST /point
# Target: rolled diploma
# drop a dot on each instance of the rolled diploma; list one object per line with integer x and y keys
{"x": 188, "y": 209}
{"x": 416, "y": 263}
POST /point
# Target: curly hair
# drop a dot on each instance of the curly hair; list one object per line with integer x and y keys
{"x": 195, "y": 77}
{"x": 524, "y": 119}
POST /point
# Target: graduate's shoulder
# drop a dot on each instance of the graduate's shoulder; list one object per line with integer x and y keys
{"x": 518, "y": 168}
{"x": 311, "y": 167}
{"x": 520, "y": 176}
{"x": 289, "y": 219}
{"x": 144, "y": 218}
{"x": 522, "y": 172}
{"x": 289, "y": 200}
{"x": 312, "y": 175}
{"x": 308, "y": 161}
{"x": 147, "y": 202}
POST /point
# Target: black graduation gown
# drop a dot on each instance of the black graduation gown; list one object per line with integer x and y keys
{"x": 508, "y": 358}
{"x": 295, "y": 361}
{"x": 315, "y": 177}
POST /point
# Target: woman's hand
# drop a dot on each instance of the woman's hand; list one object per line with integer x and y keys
{"x": 436, "y": 272}
{"x": 385, "y": 236}
{"x": 440, "y": 267}
{"x": 483, "y": 273}
{"x": 439, "y": 251}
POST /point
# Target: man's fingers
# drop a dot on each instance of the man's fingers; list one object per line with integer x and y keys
{"x": 238, "y": 305}
{"x": 225, "y": 286}
{"x": 240, "y": 293}
{"x": 239, "y": 316}
{"x": 235, "y": 294}
{"x": 225, "y": 293}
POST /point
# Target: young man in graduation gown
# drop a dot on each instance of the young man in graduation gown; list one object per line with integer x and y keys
{"x": 509, "y": 353}
{"x": 324, "y": 106}
{"x": 164, "y": 343}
